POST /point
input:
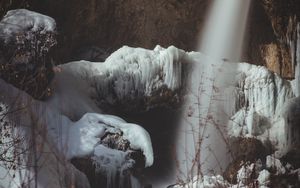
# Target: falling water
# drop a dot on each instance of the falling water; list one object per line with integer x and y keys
{"x": 222, "y": 38}
{"x": 224, "y": 32}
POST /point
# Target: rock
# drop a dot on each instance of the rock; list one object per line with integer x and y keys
{"x": 111, "y": 24}
{"x": 285, "y": 180}
{"x": 26, "y": 40}
{"x": 292, "y": 157}
{"x": 284, "y": 16}
{"x": 245, "y": 150}
{"x": 274, "y": 165}
{"x": 115, "y": 141}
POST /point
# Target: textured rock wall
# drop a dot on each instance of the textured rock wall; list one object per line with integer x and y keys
{"x": 110, "y": 24}
{"x": 284, "y": 16}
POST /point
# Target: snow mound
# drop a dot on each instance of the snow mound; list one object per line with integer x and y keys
{"x": 22, "y": 20}
{"x": 79, "y": 139}
{"x": 85, "y": 134}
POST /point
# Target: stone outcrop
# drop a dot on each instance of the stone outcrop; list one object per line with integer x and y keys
{"x": 26, "y": 41}
{"x": 279, "y": 56}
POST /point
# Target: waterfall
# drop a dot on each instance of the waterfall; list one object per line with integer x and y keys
{"x": 223, "y": 34}
{"x": 297, "y": 67}
{"x": 202, "y": 147}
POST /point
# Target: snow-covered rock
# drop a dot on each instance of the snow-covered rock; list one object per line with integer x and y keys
{"x": 26, "y": 40}
{"x": 84, "y": 135}
{"x": 245, "y": 173}
{"x": 65, "y": 138}
{"x": 250, "y": 175}
{"x": 131, "y": 78}
{"x": 21, "y": 20}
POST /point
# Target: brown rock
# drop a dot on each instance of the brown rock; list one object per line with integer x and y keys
{"x": 244, "y": 150}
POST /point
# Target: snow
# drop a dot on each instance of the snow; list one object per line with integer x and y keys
{"x": 68, "y": 139}
{"x": 264, "y": 177}
{"x": 244, "y": 174}
{"x": 274, "y": 164}
{"x": 22, "y": 20}
{"x": 248, "y": 175}
{"x": 206, "y": 182}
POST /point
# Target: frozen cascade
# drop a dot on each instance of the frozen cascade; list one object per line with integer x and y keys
{"x": 260, "y": 96}
{"x": 253, "y": 84}
{"x": 115, "y": 165}
{"x": 131, "y": 79}
{"x": 131, "y": 75}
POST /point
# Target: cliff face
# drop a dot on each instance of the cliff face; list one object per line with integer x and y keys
{"x": 280, "y": 55}
{"x": 110, "y": 24}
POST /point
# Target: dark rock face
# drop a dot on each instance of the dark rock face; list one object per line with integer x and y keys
{"x": 115, "y": 141}
{"x": 110, "y": 24}
{"x": 284, "y": 16}
{"x": 25, "y": 63}
{"x": 290, "y": 180}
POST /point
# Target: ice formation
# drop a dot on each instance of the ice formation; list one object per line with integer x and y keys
{"x": 256, "y": 95}
{"x": 134, "y": 76}
{"x": 113, "y": 164}
{"x": 267, "y": 106}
